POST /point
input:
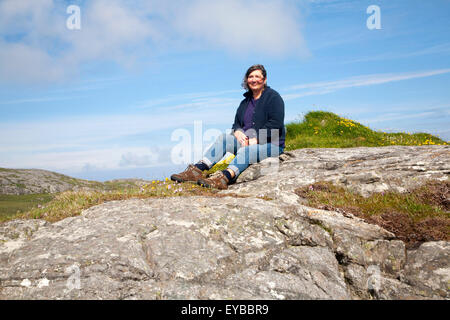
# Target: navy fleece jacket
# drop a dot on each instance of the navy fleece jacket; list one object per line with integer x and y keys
{"x": 268, "y": 117}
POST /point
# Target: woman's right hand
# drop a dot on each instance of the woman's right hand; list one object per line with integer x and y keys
{"x": 241, "y": 137}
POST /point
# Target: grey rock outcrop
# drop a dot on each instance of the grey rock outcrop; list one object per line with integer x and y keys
{"x": 32, "y": 181}
{"x": 268, "y": 245}
{"x": 365, "y": 170}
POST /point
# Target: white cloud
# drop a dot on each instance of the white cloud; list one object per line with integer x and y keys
{"x": 106, "y": 158}
{"x": 31, "y": 137}
{"x": 36, "y": 46}
{"x": 399, "y": 116}
{"x": 436, "y": 49}
{"x": 111, "y": 30}
{"x": 338, "y": 5}
{"x": 26, "y": 15}
{"x": 206, "y": 103}
{"x": 204, "y": 99}
{"x": 44, "y": 135}
{"x": 139, "y": 160}
{"x": 25, "y": 63}
{"x": 318, "y": 88}
{"x": 66, "y": 145}
{"x": 34, "y": 100}
{"x": 245, "y": 27}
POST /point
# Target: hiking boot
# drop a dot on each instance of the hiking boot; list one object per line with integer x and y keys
{"x": 217, "y": 180}
{"x": 191, "y": 174}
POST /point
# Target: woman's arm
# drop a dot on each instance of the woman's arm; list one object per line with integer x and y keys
{"x": 275, "y": 113}
{"x": 238, "y": 131}
{"x": 275, "y": 109}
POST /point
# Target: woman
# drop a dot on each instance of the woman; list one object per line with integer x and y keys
{"x": 258, "y": 133}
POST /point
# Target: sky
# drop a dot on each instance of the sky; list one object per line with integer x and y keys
{"x": 109, "y": 89}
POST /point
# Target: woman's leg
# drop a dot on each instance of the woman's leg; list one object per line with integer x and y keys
{"x": 223, "y": 144}
{"x": 253, "y": 154}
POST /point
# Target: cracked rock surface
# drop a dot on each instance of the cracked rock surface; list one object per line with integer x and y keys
{"x": 237, "y": 248}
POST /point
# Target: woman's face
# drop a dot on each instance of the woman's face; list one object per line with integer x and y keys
{"x": 256, "y": 81}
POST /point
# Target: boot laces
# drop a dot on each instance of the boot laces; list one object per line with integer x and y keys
{"x": 218, "y": 173}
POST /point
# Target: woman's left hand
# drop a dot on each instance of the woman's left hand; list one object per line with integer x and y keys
{"x": 252, "y": 141}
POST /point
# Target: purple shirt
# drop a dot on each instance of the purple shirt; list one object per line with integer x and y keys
{"x": 248, "y": 117}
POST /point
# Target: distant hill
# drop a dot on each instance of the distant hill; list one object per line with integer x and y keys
{"x": 36, "y": 181}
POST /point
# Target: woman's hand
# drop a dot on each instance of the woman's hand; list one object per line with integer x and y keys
{"x": 252, "y": 141}
{"x": 242, "y": 138}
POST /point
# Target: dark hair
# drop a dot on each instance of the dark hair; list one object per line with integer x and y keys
{"x": 250, "y": 70}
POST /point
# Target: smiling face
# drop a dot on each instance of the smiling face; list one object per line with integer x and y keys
{"x": 256, "y": 81}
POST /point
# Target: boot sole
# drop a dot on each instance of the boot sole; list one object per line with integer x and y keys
{"x": 177, "y": 179}
{"x": 205, "y": 184}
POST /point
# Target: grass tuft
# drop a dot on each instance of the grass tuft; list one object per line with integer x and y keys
{"x": 13, "y": 205}
{"x": 72, "y": 203}
{"x": 422, "y": 214}
{"x": 320, "y": 129}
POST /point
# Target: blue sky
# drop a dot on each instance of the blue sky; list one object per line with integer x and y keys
{"x": 108, "y": 100}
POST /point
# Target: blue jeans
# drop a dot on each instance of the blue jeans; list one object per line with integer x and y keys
{"x": 244, "y": 155}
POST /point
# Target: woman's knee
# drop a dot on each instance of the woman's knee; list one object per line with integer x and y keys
{"x": 250, "y": 148}
{"x": 248, "y": 152}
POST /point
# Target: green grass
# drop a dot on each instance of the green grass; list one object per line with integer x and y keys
{"x": 417, "y": 204}
{"x": 13, "y": 205}
{"x": 320, "y": 129}
{"x": 70, "y": 203}
{"x": 422, "y": 214}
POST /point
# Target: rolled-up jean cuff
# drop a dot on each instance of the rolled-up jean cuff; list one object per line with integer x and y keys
{"x": 207, "y": 162}
{"x": 235, "y": 170}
